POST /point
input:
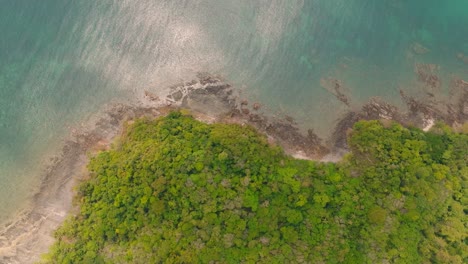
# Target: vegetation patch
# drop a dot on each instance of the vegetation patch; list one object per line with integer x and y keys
{"x": 176, "y": 190}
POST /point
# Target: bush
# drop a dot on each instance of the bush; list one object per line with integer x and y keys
{"x": 179, "y": 191}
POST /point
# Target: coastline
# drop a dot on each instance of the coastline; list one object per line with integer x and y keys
{"x": 30, "y": 233}
{"x": 209, "y": 99}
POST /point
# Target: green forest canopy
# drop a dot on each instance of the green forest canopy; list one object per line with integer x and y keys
{"x": 181, "y": 191}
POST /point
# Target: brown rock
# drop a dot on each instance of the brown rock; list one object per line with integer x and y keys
{"x": 150, "y": 96}
{"x": 177, "y": 95}
{"x": 256, "y": 106}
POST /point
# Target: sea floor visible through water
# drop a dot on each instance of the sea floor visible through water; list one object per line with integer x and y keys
{"x": 210, "y": 99}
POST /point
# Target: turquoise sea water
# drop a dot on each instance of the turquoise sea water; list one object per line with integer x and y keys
{"x": 60, "y": 60}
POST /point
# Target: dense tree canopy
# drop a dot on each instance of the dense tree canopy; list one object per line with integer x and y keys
{"x": 181, "y": 191}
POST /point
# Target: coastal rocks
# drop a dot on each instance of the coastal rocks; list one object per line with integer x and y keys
{"x": 374, "y": 109}
{"x": 289, "y": 136}
{"x": 177, "y": 95}
{"x": 428, "y": 75}
{"x": 336, "y": 87}
{"x": 211, "y": 96}
{"x": 451, "y": 111}
{"x": 30, "y": 234}
{"x": 419, "y": 112}
{"x": 151, "y": 97}
{"x": 207, "y": 94}
{"x": 459, "y": 110}
{"x": 256, "y": 106}
{"x": 206, "y": 78}
{"x": 377, "y": 109}
{"x": 286, "y": 133}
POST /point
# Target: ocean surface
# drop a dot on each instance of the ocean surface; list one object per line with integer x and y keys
{"x": 61, "y": 60}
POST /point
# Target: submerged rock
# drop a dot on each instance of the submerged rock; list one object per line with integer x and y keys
{"x": 336, "y": 87}
{"x": 419, "y": 48}
{"x": 256, "y": 106}
{"x": 177, "y": 95}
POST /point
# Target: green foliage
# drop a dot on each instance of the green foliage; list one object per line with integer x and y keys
{"x": 377, "y": 215}
{"x": 179, "y": 191}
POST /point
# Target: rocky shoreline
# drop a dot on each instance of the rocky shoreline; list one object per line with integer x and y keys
{"x": 210, "y": 99}
{"x": 212, "y": 96}
{"x": 421, "y": 112}
{"x": 30, "y": 234}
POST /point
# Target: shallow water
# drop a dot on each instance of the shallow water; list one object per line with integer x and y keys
{"x": 60, "y": 60}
